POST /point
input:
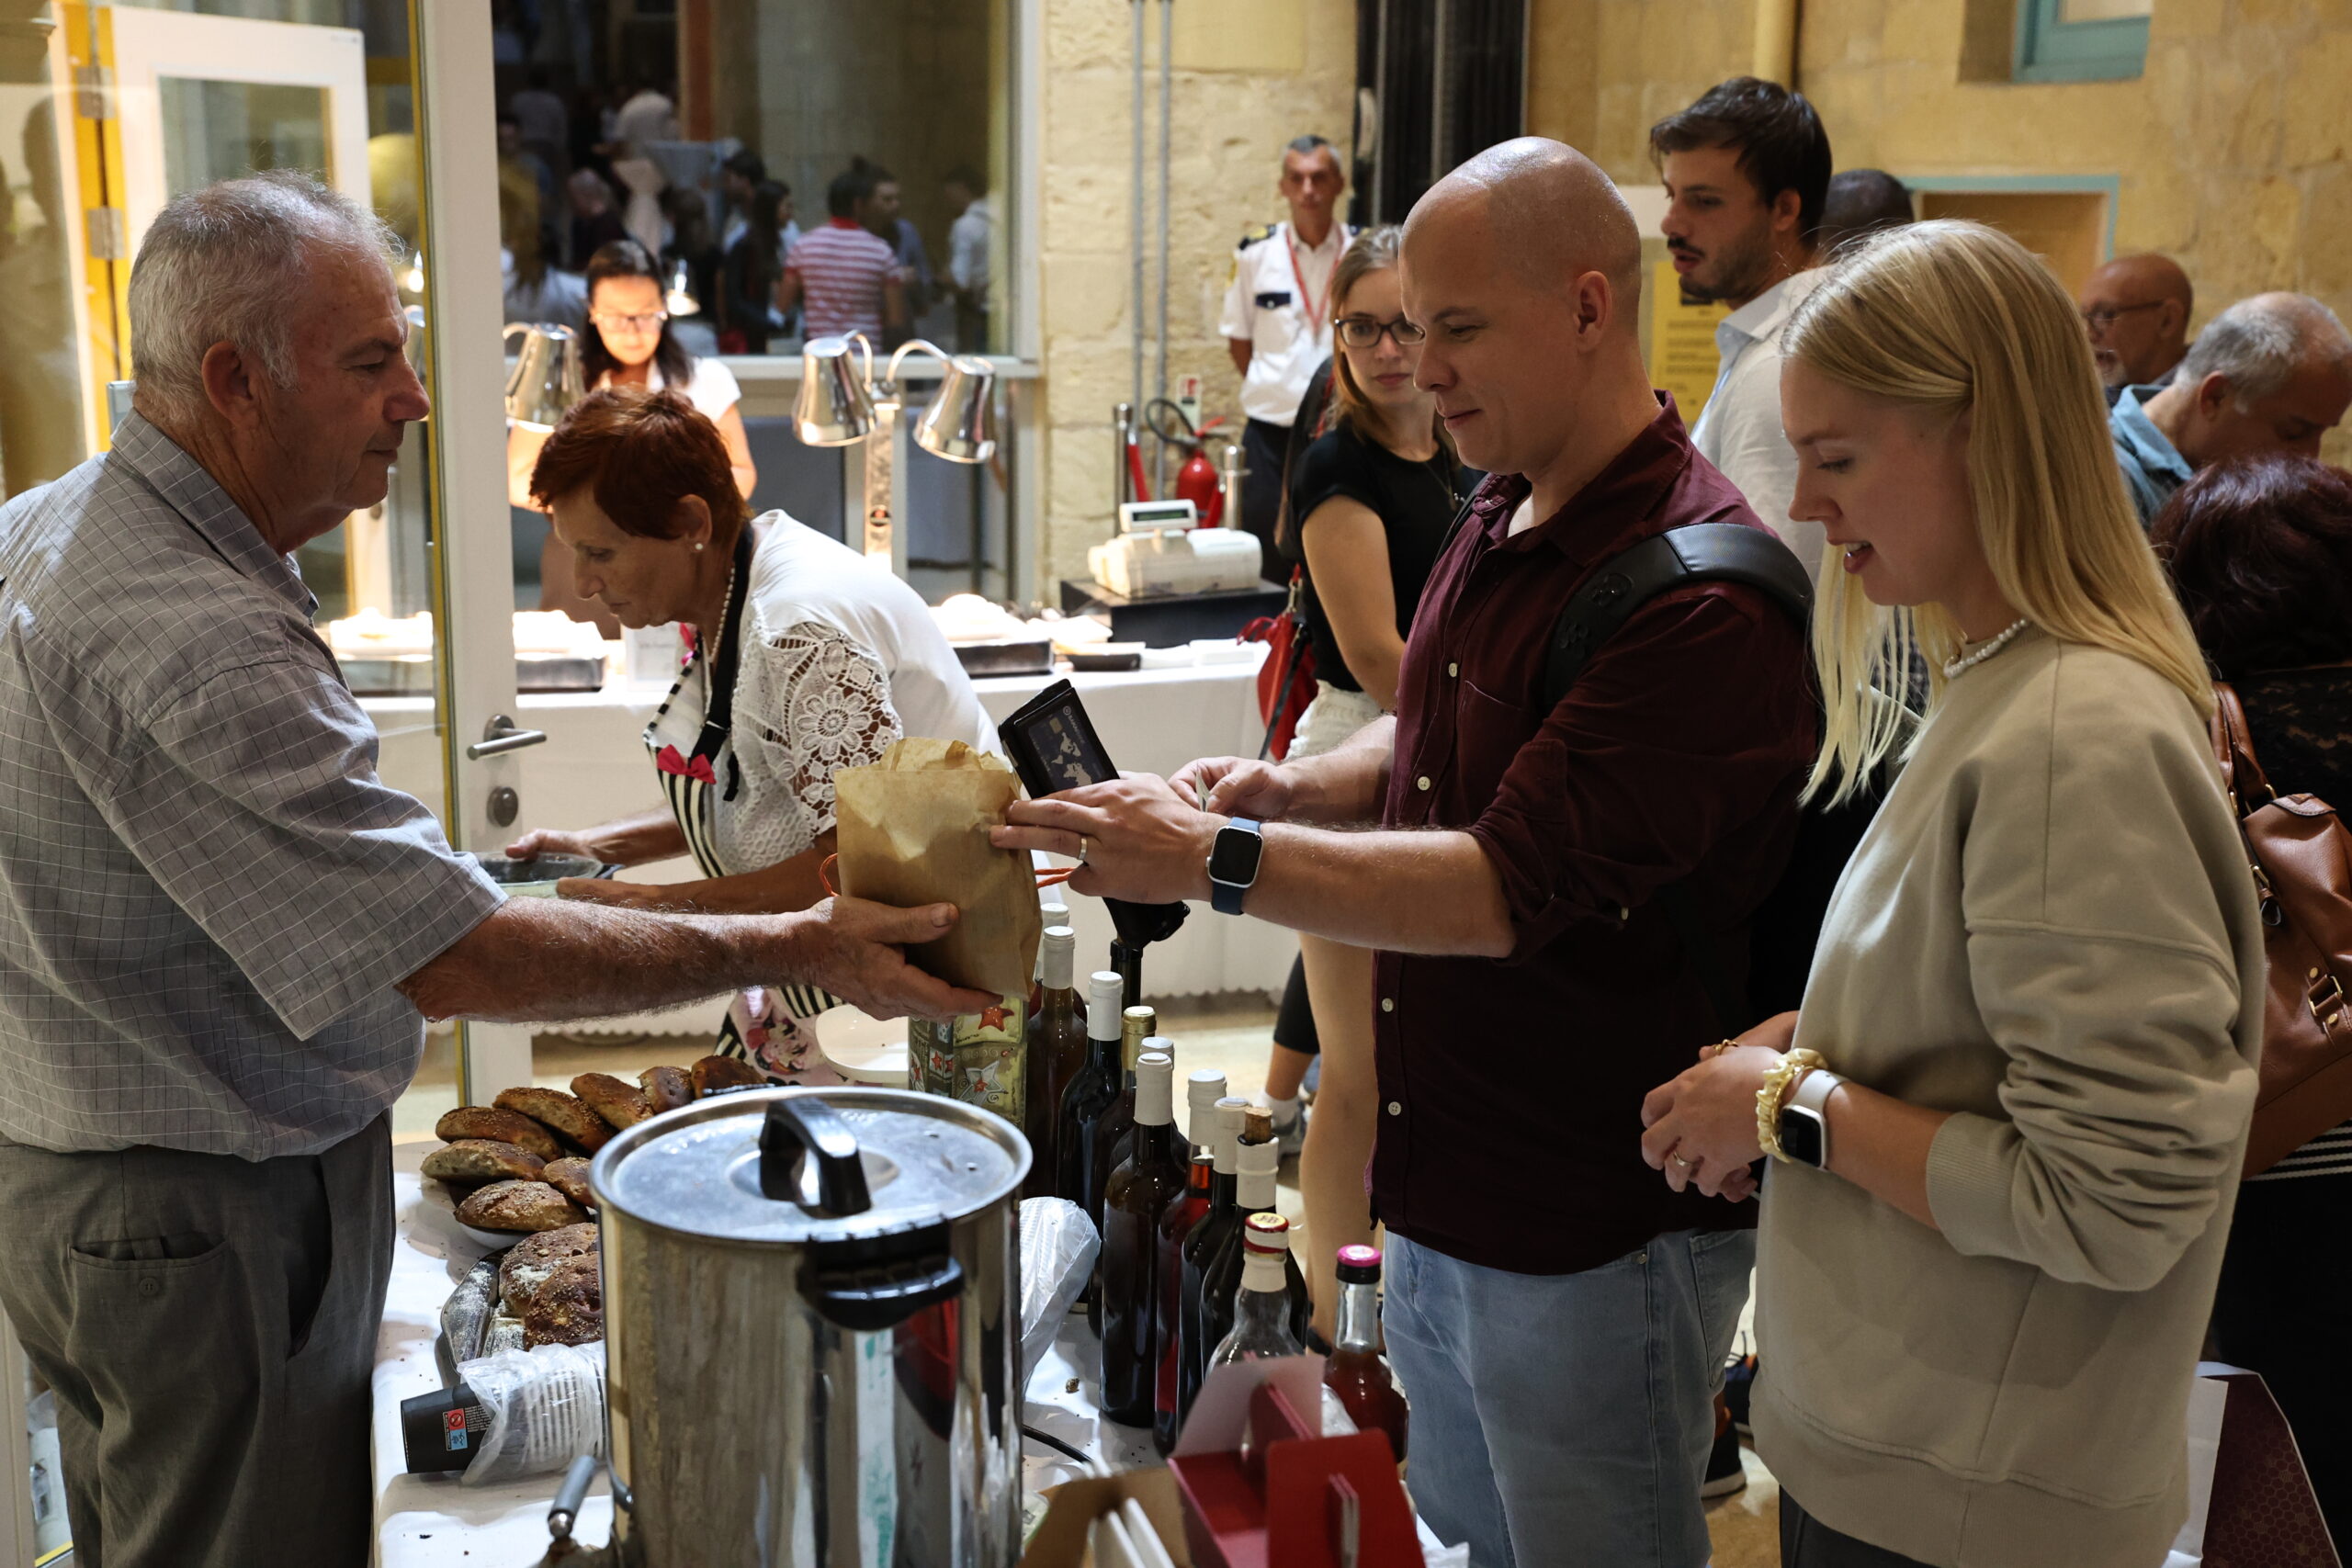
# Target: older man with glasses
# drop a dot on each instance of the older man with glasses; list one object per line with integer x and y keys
{"x": 2136, "y": 309}
{"x": 222, "y": 932}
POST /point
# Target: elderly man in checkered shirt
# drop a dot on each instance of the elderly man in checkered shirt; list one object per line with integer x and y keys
{"x": 221, "y": 933}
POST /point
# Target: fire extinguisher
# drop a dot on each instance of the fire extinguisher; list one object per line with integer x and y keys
{"x": 1196, "y": 481}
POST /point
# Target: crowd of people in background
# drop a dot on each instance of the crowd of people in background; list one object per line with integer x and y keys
{"x": 575, "y": 177}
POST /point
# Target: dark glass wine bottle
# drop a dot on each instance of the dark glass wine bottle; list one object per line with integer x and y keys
{"x": 1139, "y": 1193}
{"x": 1258, "y": 1158}
{"x": 1185, "y": 1212}
{"x": 1356, "y": 1370}
{"x": 1137, "y": 1024}
{"x": 1089, "y": 1095}
{"x": 1056, "y": 1055}
{"x": 1199, "y": 1249}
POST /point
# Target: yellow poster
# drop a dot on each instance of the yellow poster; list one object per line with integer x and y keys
{"x": 1683, "y": 342}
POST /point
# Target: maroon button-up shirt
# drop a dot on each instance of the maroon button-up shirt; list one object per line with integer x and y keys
{"x": 1511, "y": 1089}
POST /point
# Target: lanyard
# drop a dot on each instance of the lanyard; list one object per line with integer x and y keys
{"x": 1315, "y": 322}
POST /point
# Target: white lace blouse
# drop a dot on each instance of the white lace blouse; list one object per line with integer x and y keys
{"x": 840, "y": 658}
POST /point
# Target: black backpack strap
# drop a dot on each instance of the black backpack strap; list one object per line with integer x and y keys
{"x": 1700, "y": 552}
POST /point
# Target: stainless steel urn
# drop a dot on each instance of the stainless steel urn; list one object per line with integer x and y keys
{"x": 810, "y": 1334}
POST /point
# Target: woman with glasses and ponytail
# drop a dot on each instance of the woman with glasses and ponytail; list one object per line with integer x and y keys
{"x": 1371, "y": 503}
{"x": 629, "y": 343}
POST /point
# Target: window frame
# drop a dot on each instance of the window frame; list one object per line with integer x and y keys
{"x": 2050, "y": 49}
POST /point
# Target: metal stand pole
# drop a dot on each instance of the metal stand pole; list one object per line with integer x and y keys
{"x": 1135, "y": 238}
{"x": 1167, "y": 81}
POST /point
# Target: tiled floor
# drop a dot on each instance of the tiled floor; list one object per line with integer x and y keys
{"x": 1229, "y": 1032}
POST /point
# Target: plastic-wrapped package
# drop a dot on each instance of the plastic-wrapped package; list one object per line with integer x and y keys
{"x": 1058, "y": 1242}
{"x": 546, "y": 1407}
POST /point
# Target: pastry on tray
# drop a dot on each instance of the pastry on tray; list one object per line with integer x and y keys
{"x": 476, "y": 1160}
{"x": 567, "y": 1113}
{"x": 568, "y": 1306}
{"x": 530, "y": 1261}
{"x": 570, "y": 1177}
{"x": 502, "y": 1126}
{"x": 713, "y": 1074}
{"x": 666, "y": 1089}
{"x": 613, "y": 1100}
{"x": 519, "y": 1206}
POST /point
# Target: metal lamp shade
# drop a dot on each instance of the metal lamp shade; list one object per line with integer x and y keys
{"x": 835, "y": 407}
{"x": 960, "y": 424}
{"x": 546, "y": 381}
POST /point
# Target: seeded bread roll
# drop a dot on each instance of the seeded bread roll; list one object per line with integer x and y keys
{"x": 503, "y": 1126}
{"x": 530, "y": 1261}
{"x": 666, "y": 1089}
{"x": 569, "y": 1307}
{"x": 480, "y": 1159}
{"x": 613, "y": 1100}
{"x": 567, "y": 1115}
{"x": 519, "y": 1206}
{"x": 570, "y": 1177}
{"x": 713, "y": 1074}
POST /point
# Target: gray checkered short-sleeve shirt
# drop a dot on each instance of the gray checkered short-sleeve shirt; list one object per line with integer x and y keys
{"x": 207, "y": 896}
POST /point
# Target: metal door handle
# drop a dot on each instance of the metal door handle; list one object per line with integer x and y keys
{"x": 499, "y": 736}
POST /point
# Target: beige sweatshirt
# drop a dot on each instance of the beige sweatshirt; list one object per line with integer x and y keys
{"x": 2048, "y": 931}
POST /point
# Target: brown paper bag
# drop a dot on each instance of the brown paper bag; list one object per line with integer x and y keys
{"x": 914, "y": 830}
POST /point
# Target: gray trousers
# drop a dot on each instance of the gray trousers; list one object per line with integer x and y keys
{"x": 209, "y": 1326}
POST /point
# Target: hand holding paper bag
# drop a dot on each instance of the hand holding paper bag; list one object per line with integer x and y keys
{"x": 913, "y": 830}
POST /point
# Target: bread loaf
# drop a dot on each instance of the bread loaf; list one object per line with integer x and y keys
{"x": 613, "y": 1100}
{"x": 503, "y": 1126}
{"x": 568, "y": 1306}
{"x": 666, "y": 1089}
{"x": 475, "y": 1160}
{"x": 567, "y": 1115}
{"x": 519, "y": 1206}
{"x": 713, "y": 1074}
{"x": 530, "y": 1261}
{"x": 570, "y": 1177}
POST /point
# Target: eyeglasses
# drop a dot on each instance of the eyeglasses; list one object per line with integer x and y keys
{"x": 648, "y": 322}
{"x": 1363, "y": 331}
{"x": 2099, "y": 318}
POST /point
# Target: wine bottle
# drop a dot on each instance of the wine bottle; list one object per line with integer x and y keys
{"x": 1256, "y": 1158}
{"x": 1150, "y": 1177}
{"x": 1056, "y": 1055}
{"x": 1089, "y": 1095}
{"x": 1224, "y": 1218}
{"x": 1128, "y": 962}
{"x": 1261, "y": 1318}
{"x": 1137, "y": 1024}
{"x": 1356, "y": 1370}
{"x": 1185, "y": 1211}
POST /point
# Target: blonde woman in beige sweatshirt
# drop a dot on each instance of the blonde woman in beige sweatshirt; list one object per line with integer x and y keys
{"x": 2035, "y": 1006}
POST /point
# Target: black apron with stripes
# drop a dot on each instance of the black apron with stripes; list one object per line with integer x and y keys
{"x": 689, "y": 783}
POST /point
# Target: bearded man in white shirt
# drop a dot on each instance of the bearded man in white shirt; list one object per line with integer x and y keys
{"x": 1746, "y": 170}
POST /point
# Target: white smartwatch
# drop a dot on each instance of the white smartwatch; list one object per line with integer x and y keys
{"x": 1805, "y": 1119}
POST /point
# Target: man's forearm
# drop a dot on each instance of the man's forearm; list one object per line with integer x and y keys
{"x": 541, "y": 961}
{"x": 1347, "y": 783}
{"x": 1406, "y": 891}
{"x": 635, "y": 840}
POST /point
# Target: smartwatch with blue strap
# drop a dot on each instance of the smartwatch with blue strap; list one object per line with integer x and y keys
{"x": 1233, "y": 865}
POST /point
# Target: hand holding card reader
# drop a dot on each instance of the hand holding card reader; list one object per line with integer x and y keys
{"x": 1054, "y": 747}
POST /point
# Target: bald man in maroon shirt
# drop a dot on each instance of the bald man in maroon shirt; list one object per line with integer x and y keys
{"x": 1559, "y": 1319}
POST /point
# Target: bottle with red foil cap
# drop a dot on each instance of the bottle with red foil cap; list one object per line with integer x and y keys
{"x": 1356, "y": 1370}
{"x": 1262, "y": 1329}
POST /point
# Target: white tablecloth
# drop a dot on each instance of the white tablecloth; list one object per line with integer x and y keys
{"x": 593, "y": 767}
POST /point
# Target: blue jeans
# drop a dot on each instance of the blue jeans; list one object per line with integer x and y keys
{"x": 1563, "y": 1420}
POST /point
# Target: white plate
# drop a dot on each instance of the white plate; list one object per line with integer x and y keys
{"x": 863, "y": 1049}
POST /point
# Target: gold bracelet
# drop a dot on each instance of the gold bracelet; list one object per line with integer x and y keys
{"x": 1774, "y": 1093}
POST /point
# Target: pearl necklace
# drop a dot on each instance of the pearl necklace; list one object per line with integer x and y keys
{"x": 1955, "y": 667}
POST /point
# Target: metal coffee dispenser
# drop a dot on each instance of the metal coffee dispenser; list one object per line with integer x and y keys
{"x": 812, "y": 1354}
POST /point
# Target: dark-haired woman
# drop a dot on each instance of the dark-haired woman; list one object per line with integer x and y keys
{"x": 2261, "y": 551}
{"x": 1373, "y": 498}
{"x": 807, "y": 660}
{"x": 751, "y": 267}
{"x": 629, "y": 343}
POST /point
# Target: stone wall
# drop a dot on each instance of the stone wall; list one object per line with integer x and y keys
{"x": 1249, "y": 75}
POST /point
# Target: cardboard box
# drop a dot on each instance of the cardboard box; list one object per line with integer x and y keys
{"x": 1068, "y": 1535}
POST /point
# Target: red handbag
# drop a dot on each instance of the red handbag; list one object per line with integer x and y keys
{"x": 1286, "y": 679}
{"x": 2301, "y": 859}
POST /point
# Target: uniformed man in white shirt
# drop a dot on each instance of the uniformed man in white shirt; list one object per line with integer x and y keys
{"x": 1277, "y": 322}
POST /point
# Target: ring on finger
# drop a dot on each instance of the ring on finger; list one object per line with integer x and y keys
{"x": 1084, "y": 844}
{"x": 1683, "y": 1164}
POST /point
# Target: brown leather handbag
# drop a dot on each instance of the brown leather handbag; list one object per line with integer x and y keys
{"x": 2301, "y": 859}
